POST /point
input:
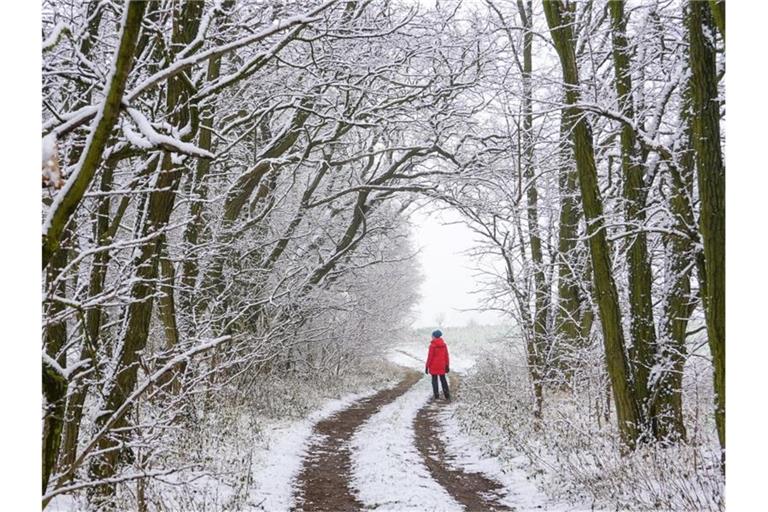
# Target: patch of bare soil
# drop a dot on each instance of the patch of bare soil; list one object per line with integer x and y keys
{"x": 473, "y": 490}
{"x": 324, "y": 481}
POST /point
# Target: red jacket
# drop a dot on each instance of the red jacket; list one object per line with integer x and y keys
{"x": 437, "y": 358}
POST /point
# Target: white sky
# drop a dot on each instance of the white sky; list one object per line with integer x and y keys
{"x": 448, "y": 273}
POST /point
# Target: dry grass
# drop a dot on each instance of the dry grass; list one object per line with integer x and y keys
{"x": 575, "y": 454}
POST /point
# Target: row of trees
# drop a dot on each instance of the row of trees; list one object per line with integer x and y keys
{"x": 224, "y": 194}
{"x": 601, "y": 195}
{"x": 227, "y": 185}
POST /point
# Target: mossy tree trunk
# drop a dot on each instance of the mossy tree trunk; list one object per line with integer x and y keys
{"x": 606, "y": 293}
{"x": 640, "y": 276}
{"x": 679, "y": 302}
{"x": 158, "y": 211}
{"x": 56, "y": 387}
{"x": 54, "y": 383}
{"x": 718, "y": 15}
{"x": 69, "y": 197}
{"x": 569, "y": 314}
{"x": 705, "y": 105}
{"x": 166, "y": 300}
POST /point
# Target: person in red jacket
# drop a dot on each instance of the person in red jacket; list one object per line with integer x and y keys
{"x": 438, "y": 364}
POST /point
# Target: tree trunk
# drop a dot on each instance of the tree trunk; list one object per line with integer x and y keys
{"x": 711, "y": 180}
{"x": 718, "y": 15}
{"x": 93, "y": 320}
{"x": 640, "y": 277}
{"x": 541, "y": 287}
{"x": 189, "y": 268}
{"x": 200, "y": 192}
{"x": 569, "y": 307}
{"x": 69, "y": 198}
{"x": 679, "y": 304}
{"x": 159, "y": 207}
{"x": 54, "y": 384}
{"x": 605, "y": 287}
{"x": 167, "y": 312}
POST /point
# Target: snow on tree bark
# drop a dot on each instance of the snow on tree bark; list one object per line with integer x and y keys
{"x": 606, "y": 294}
{"x": 711, "y": 181}
{"x": 69, "y": 197}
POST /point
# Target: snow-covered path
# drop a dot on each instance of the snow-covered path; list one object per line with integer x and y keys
{"x": 272, "y": 483}
{"x": 394, "y": 450}
{"x": 388, "y": 470}
{"x": 324, "y": 482}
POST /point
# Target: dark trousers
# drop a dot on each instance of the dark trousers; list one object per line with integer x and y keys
{"x": 444, "y": 383}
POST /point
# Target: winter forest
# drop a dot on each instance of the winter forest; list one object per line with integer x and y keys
{"x": 229, "y": 266}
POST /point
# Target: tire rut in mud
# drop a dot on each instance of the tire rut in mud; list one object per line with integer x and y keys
{"x": 474, "y": 491}
{"x": 324, "y": 481}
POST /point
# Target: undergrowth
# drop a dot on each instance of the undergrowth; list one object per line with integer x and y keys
{"x": 210, "y": 449}
{"x": 574, "y": 452}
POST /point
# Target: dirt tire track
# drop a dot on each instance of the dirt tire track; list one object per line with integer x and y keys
{"x": 474, "y": 491}
{"x": 324, "y": 481}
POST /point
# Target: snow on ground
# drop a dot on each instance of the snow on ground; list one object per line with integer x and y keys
{"x": 406, "y": 358}
{"x": 520, "y": 492}
{"x": 387, "y": 470}
{"x": 278, "y": 462}
{"x": 63, "y": 503}
{"x": 414, "y": 355}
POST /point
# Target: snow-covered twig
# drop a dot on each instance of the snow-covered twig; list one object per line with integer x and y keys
{"x": 152, "y": 139}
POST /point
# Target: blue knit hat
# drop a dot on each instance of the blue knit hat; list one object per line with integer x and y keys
{"x": 436, "y": 334}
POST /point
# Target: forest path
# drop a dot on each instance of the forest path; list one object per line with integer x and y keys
{"x": 325, "y": 482}
{"x": 473, "y": 490}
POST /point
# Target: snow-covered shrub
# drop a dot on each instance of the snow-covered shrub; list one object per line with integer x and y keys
{"x": 575, "y": 454}
{"x": 222, "y": 440}
{"x": 209, "y": 450}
